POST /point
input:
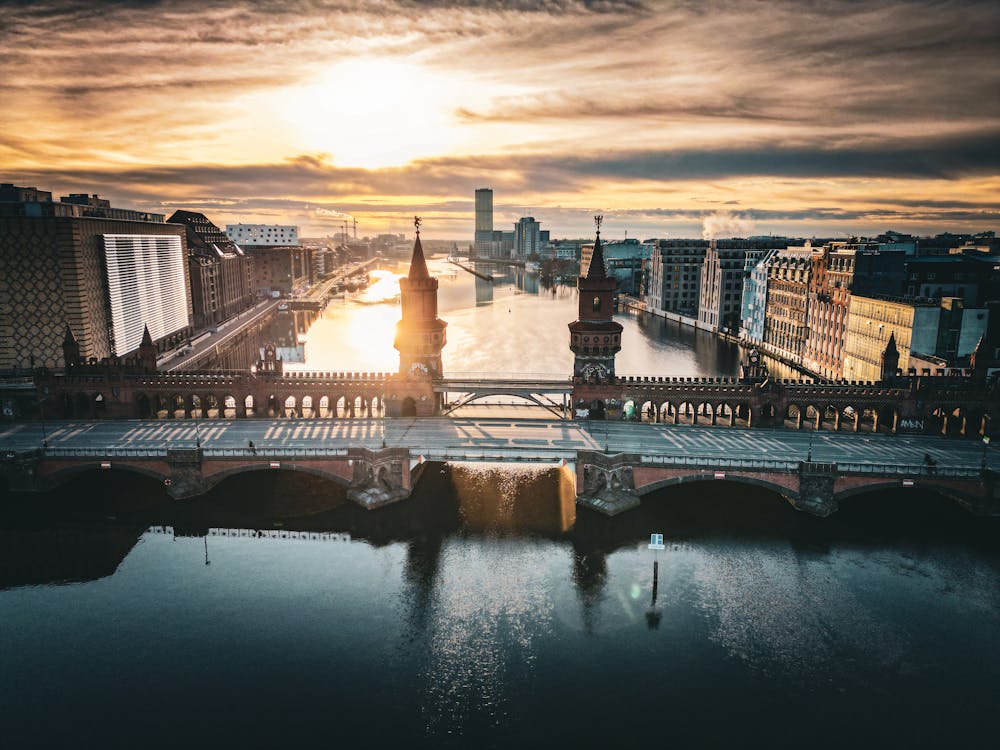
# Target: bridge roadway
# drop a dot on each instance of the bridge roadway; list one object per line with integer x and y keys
{"x": 462, "y": 439}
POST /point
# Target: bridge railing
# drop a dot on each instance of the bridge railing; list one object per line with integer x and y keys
{"x": 503, "y": 376}
{"x": 497, "y": 455}
{"x": 285, "y": 452}
{"x": 909, "y": 470}
{"x": 161, "y": 452}
{"x": 842, "y": 467}
{"x": 82, "y": 452}
{"x": 704, "y": 462}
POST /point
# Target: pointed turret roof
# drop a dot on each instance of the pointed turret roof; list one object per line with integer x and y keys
{"x": 597, "y": 271}
{"x": 69, "y": 339}
{"x": 891, "y": 344}
{"x": 418, "y": 266}
{"x": 147, "y": 340}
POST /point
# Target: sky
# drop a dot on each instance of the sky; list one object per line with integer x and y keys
{"x": 801, "y": 118}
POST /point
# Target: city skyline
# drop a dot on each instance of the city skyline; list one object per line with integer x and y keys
{"x": 832, "y": 119}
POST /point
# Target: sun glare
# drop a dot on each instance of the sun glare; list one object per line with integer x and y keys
{"x": 373, "y": 113}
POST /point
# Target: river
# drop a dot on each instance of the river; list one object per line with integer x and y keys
{"x": 485, "y": 610}
{"x": 514, "y": 325}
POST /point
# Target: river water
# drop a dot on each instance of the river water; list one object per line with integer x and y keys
{"x": 514, "y": 325}
{"x": 486, "y": 611}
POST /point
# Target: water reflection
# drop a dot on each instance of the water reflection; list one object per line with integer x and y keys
{"x": 485, "y": 608}
{"x": 513, "y": 324}
{"x": 384, "y": 288}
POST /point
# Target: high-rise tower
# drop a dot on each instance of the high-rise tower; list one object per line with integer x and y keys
{"x": 484, "y": 221}
{"x": 420, "y": 335}
{"x": 595, "y": 338}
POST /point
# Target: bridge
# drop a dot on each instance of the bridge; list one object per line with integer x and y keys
{"x": 613, "y": 465}
{"x": 903, "y": 404}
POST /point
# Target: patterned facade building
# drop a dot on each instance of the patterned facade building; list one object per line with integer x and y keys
{"x": 281, "y": 269}
{"x": 786, "y": 318}
{"x": 222, "y": 274}
{"x": 53, "y": 273}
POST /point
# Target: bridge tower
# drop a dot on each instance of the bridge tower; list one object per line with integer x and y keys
{"x": 595, "y": 338}
{"x": 147, "y": 351}
{"x": 71, "y": 349}
{"x": 420, "y": 335}
{"x": 890, "y": 359}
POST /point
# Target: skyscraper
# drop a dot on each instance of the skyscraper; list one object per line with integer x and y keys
{"x": 526, "y": 237}
{"x": 484, "y": 221}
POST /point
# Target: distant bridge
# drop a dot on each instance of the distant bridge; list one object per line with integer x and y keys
{"x": 551, "y": 393}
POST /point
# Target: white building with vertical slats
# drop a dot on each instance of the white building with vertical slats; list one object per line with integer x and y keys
{"x": 146, "y": 287}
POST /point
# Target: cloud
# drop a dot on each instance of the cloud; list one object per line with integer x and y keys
{"x": 693, "y": 104}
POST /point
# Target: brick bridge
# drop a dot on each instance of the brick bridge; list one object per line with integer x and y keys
{"x": 609, "y": 484}
{"x": 915, "y": 404}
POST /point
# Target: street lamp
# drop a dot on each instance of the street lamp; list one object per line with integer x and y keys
{"x": 986, "y": 444}
{"x": 381, "y": 406}
{"x": 809, "y": 452}
{"x": 197, "y": 436}
{"x": 41, "y": 417}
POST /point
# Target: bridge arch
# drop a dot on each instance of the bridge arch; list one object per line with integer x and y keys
{"x": 408, "y": 408}
{"x": 472, "y": 397}
{"x": 81, "y": 406}
{"x": 216, "y": 478}
{"x": 785, "y": 492}
{"x": 143, "y": 406}
{"x": 211, "y": 403}
{"x": 961, "y": 498}
{"x": 61, "y": 476}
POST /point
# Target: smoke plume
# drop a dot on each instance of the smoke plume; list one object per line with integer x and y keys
{"x": 721, "y": 224}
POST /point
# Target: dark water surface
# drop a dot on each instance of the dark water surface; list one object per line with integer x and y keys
{"x": 487, "y": 611}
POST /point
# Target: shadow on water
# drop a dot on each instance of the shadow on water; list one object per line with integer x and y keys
{"x": 86, "y": 527}
{"x": 720, "y": 510}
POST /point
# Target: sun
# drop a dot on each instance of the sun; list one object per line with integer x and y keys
{"x": 375, "y": 112}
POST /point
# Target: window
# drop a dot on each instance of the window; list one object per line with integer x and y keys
{"x": 597, "y": 304}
